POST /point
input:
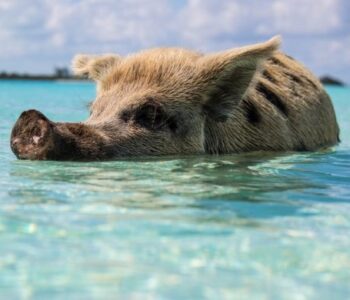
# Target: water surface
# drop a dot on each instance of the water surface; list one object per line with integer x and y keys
{"x": 257, "y": 226}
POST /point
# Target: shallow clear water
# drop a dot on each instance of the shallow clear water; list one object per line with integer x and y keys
{"x": 227, "y": 227}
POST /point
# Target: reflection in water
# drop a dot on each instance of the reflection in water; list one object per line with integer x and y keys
{"x": 202, "y": 183}
{"x": 152, "y": 221}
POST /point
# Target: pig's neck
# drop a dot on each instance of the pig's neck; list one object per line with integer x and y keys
{"x": 224, "y": 137}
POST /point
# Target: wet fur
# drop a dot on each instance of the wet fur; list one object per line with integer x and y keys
{"x": 176, "y": 101}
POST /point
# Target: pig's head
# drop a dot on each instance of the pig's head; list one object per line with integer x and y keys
{"x": 156, "y": 102}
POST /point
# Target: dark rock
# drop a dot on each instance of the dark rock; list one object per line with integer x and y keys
{"x": 328, "y": 80}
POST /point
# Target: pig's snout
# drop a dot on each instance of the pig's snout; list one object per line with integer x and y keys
{"x": 32, "y": 136}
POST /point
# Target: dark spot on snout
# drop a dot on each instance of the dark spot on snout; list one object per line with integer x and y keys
{"x": 272, "y": 98}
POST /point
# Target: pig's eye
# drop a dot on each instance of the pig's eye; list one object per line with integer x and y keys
{"x": 151, "y": 116}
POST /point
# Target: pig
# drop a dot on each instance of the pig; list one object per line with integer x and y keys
{"x": 173, "y": 101}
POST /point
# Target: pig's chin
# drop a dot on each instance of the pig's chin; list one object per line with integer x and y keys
{"x": 35, "y": 137}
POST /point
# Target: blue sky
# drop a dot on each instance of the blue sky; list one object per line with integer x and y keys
{"x": 37, "y": 35}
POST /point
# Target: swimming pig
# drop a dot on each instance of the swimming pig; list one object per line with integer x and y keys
{"x": 174, "y": 101}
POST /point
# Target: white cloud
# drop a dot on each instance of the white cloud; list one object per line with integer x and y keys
{"x": 306, "y": 16}
{"x": 94, "y": 24}
{"x": 209, "y": 19}
{"x": 48, "y": 32}
{"x": 203, "y": 21}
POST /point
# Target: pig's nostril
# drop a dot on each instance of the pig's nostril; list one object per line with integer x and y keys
{"x": 36, "y": 139}
{"x": 31, "y": 135}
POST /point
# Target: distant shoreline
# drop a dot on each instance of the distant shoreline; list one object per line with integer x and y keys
{"x": 42, "y": 77}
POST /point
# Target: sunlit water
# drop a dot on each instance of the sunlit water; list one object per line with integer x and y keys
{"x": 217, "y": 227}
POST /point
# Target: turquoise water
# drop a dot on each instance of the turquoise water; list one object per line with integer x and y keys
{"x": 227, "y": 227}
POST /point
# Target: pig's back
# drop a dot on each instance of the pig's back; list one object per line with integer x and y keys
{"x": 285, "y": 109}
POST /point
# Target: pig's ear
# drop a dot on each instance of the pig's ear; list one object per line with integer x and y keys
{"x": 226, "y": 76}
{"x": 95, "y": 67}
